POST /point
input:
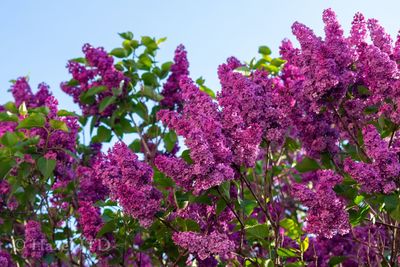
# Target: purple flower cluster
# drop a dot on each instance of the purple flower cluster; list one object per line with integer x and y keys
{"x": 205, "y": 246}
{"x": 6, "y": 126}
{"x": 171, "y": 89}
{"x": 99, "y": 71}
{"x": 353, "y": 253}
{"x": 57, "y": 144}
{"x": 325, "y": 64}
{"x": 22, "y": 92}
{"x": 251, "y": 110}
{"x": 339, "y": 74}
{"x": 5, "y": 259}
{"x": 382, "y": 173}
{"x": 326, "y": 214}
{"x": 90, "y": 185}
{"x": 314, "y": 129}
{"x": 199, "y": 123}
{"x": 90, "y": 224}
{"x": 218, "y": 229}
{"x": 36, "y": 244}
{"x": 130, "y": 183}
{"x": 58, "y": 138}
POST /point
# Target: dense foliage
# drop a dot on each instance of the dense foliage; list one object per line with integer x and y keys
{"x": 294, "y": 162}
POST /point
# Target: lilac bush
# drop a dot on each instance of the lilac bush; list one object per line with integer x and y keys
{"x": 293, "y": 162}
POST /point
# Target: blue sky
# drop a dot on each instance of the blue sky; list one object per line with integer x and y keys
{"x": 38, "y": 37}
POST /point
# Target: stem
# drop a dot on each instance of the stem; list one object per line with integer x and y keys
{"x": 166, "y": 224}
{"x": 146, "y": 148}
{"x": 392, "y": 137}
{"x": 351, "y": 134}
{"x": 229, "y": 206}
{"x": 14, "y": 247}
{"x": 274, "y": 225}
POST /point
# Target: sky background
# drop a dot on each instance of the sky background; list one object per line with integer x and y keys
{"x": 38, "y": 37}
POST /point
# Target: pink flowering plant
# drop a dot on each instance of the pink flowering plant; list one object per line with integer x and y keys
{"x": 293, "y": 161}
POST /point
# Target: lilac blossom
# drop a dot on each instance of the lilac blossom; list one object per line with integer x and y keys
{"x": 99, "y": 72}
{"x": 172, "y": 92}
{"x": 326, "y": 214}
{"x": 36, "y": 245}
{"x": 200, "y": 124}
{"x": 130, "y": 183}
{"x": 381, "y": 174}
{"x": 205, "y": 246}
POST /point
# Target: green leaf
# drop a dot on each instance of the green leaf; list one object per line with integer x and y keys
{"x": 221, "y": 205}
{"x": 225, "y": 189}
{"x": 141, "y": 110}
{"x": 35, "y": 120}
{"x": 170, "y": 139}
{"x": 161, "y": 180}
{"x": 64, "y": 113}
{"x": 293, "y": 229}
{"x": 243, "y": 70}
{"x": 145, "y": 62}
{"x": 134, "y": 44}
{"x": 277, "y": 62}
{"x": 94, "y": 91}
{"x": 272, "y": 68}
{"x": 49, "y": 258}
{"x": 307, "y": 164}
{"x": 149, "y": 79}
{"x": 161, "y": 40}
{"x": 395, "y": 214}
{"x": 186, "y": 156}
{"x": 81, "y": 60}
{"x": 108, "y": 215}
{"x": 107, "y": 101}
{"x": 295, "y": 264}
{"x": 362, "y": 90}
{"x": 357, "y": 216}
{"x": 9, "y": 139}
{"x": 108, "y": 227}
{"x": 126, "y": 35}
{"x": 358, "y": 199}
{"x": 149, "y": 43}
{"x": 126, "y": 126}
{"x": 336, "y": 260}
{"x": 200, "y": 81}
{"x": 153, "y": 131}
{"x": 46, "y": 166}
{"x": 304, "y": 244}
{"x": 119, "y": 52}
{"x": 248, "y": 205}
{"x": 10, "y": 106}
{"x": 287, "y": 253}
{"x": 264, "y": 50}
{"x": 166, "y": 66}
{"x": 150, "y": 93}
{"x": 103, "y": 135}
{"x": 207, "y": 90}
{"x": 59, "y": 125}
{"x": 43, "y": 109}
{"x": 391, "y": 202}
{"x": 136, "y": 146}
{"x": 259, "y": 231}
{"x": 6, "y": 116}
{"x": 292, "y": 144}
{"x": 268, "y": 263}
{"x": 5, "y": 166}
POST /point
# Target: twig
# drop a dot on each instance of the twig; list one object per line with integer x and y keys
{"x": 229, "y": 206}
